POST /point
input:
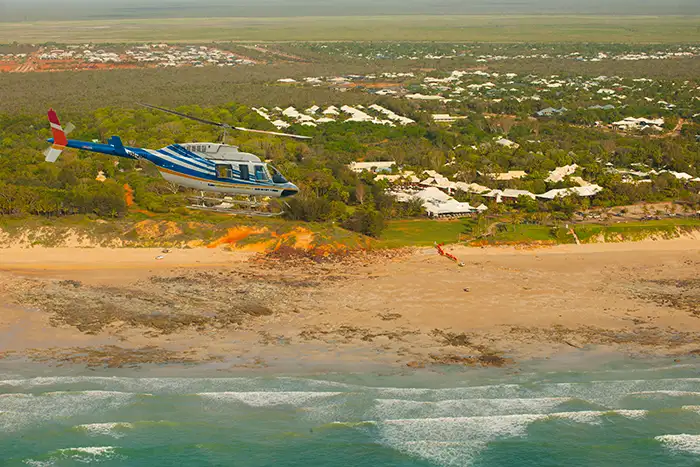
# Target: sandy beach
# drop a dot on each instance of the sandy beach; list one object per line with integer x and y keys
{"x": 120, "y": 307}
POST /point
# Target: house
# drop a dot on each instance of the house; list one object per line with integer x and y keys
{"x": 471, "y": 187}
{"x": 419, "y": 96}
{"x": 377, "y": 166}
{"x": 510, "y": 175}
{"x": 281, "y": 124}
{"x": 438, "y": 204}
{"x": 631, "y": 123}
{"x": 602, "y": 107}
{"x": 560, "y": 173}
{"x": 291, "y": 112}
{"x": 507, "y": 143}
{"x": 446, "y": 118}
{"x": 550, "y": 112}
{"x": 407, "y": 176}
{"x": 508, "y": 193}
{"x": 584, "y": 191}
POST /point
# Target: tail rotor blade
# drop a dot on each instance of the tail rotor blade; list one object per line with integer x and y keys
{"x": 69, "y": 128}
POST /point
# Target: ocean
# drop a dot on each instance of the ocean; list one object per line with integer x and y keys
{"x": 604, "y": 412}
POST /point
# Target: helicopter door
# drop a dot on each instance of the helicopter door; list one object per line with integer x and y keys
{"x": 260, "y": 173}
{"x": 223, "y": 171}
{"x": 245, "y": 173}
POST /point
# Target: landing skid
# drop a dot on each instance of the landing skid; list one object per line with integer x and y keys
{"x": 231, "y": 206}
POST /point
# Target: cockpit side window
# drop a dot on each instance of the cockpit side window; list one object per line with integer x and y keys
{"x": 277, "y": 176}
{"x": 260, "y": 173}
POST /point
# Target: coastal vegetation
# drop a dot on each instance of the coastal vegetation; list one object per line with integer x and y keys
{"x": 499, "y": 94}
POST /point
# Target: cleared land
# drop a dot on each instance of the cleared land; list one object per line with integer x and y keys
{"x": 485, "y": 28}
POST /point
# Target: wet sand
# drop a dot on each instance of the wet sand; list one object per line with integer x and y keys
{"x": 116, "y": 307}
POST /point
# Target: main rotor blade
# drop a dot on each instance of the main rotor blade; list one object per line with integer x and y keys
{"x": 208, "y": 122}
{"x": 270, "y": 133}
{"x": 223, "y": 125}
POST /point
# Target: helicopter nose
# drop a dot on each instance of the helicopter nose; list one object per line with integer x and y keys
{"x": 290, "y": 190}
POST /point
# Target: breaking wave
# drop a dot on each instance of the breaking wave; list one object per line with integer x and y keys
{"x": 113, "y": 429}
{"x": 268, "y": 399}
{"x": 681, "y": 443}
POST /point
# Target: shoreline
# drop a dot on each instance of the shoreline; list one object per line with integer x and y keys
{"x": 102, "y": 307}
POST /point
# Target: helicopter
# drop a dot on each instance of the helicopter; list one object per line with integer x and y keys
{"x": 206, "y": 167}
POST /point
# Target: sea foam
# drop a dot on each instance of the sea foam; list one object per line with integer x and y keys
{"x": 113, "y": 429}
{"x": 399, "y": 408}
{"x": 268, "y": 398}
{"x": 27, "y": 410}
{"x": 681, "y": 443}
{"x": 450, "y": 440}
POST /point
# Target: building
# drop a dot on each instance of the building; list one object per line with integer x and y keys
{"x": 508, "y": 193}
{"x": 560, "y": 173}
{"x": 507, "y": 143}
{"x": 437, "y": 204}
{"x": 446, "y": 118}
{"x": 510, "y": 175}
{"x": 584, "y": 191}
{"x": 639, "y": 124}
{"x": 375, "y": 167}
{"x": 550, "y": 112}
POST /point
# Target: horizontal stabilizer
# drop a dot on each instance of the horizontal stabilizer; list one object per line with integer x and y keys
{"x": 53, "y": 152}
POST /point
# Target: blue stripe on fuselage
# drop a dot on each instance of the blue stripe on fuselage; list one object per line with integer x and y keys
{"x": 169, "y": 157}
{"x": 189, "y": 154}
{"x": 95, "y": 147}
{"x": 189, "y": 158}
{"x": 160, "y": 162}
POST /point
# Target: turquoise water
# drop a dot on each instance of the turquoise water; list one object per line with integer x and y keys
{"x": 625, "y": 413}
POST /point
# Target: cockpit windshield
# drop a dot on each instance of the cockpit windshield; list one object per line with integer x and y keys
{"x": 277, "y": 176}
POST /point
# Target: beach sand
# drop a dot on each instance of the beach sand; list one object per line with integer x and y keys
{"x": 117, "y": 307}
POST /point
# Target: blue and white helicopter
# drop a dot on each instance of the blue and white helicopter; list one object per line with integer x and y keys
{"x": 206, "y": 167}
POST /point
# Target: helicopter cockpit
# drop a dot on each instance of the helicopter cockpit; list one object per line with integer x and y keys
{"x": 277, "y": 176}
{"x": 229, "y": 158}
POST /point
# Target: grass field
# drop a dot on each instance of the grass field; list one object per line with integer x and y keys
{"x": 422, "y": 232}
{"x": 457, "y": 28}
{"x": 425, "y": 232}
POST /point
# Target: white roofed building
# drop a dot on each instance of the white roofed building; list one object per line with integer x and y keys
{"x": 560, "y": 173}
{"x": 438, "y": 204}
{"x": 584, "y": 191}
{"x": 377, "y": 166}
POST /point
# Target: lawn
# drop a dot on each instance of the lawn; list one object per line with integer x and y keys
{"x": 426, "y": 232}
{"x": 523, "y": 233}
{"x": 636, "y": 230}
{"x": 422, "y": 232}
{"x": 452, "y": 28}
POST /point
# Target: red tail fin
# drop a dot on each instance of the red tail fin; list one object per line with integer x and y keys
{"x": 59, "y": 136}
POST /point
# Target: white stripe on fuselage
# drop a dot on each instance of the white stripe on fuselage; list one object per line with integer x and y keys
{"x": 190, "y": 160}
{"x": 222, "y": 187}
{"x": 179, "y": 163}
